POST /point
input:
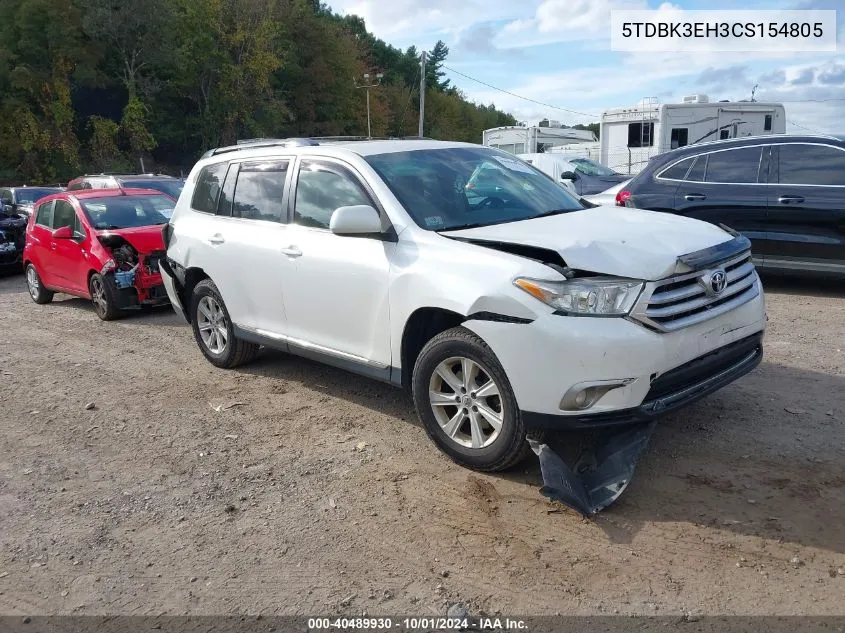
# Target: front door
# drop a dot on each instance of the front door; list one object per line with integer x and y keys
{"x": 336, "y": 287}
{"x": 70, "y": 257}
{"x": 807, "y": 208}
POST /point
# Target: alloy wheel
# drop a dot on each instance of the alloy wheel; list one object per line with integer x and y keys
{"x": 32, "y": 282}
{"x": 98, "y": 296}
{"x": 212, "y": 324}
{"x": 466, "y": 402}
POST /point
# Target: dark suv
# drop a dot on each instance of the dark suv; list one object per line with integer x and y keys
{"x": 785, "y": 193}
{"x": 159, "y": 182}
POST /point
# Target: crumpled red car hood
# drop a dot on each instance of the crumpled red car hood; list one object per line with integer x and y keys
{"x": 144, "y": 239}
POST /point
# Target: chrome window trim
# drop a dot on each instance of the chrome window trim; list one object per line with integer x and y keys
{"x": 747, "y": 184}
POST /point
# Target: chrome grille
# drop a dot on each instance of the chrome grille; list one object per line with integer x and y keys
{"x": 678, "y": 302}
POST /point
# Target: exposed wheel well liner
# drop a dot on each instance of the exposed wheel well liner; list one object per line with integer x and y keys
{"x": 423, "y": 325}
{"x": 192, "y": 277}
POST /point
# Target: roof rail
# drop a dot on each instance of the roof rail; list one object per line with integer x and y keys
{"x": 251, "y": 143}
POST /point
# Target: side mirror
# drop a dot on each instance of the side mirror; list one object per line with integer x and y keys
{"x": 360, "y": 219}
{"x": 63, "y": 233}
{"x": 569, "y": 175}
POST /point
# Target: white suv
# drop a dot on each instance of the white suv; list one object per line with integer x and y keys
{"x": 466, "y": 275}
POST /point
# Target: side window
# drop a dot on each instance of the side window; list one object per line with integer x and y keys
{"x": 75, "y": 186}
{"x": 44, "y": 215}
{"x": 724, "y": 134}
{"x": 680, "y": 137}
{"x": 696, "y": 172}
{"x": 258, "y": 192}
{"x": 321, "y": 189}
{"x": 224, "y": 205}
{"x": 767, "y": 123}
{"x": 63, "y": 215}
{"x": 812, "y": 165}
{"x": 734, "y": 166}
{"x": 207, "y": 189}
{"x": 5, "y": 196}
{"x": 677, "y": 171}
{"x": 641, "y": 134}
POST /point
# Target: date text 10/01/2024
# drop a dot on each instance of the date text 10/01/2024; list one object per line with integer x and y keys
{"x": 417, "y": 623}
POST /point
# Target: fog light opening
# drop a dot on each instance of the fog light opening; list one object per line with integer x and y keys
{"x": 584, "y": 395}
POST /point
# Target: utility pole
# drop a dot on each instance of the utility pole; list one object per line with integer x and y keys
{"x": 422, "y": 94}
{"x": 367, "y": 85}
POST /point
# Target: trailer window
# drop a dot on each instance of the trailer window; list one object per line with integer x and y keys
{"x": 767, "y": 123}
{"x": 641, "y": 134}
{"x": 680, "y": 137}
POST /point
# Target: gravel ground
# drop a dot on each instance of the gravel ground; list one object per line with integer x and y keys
{"x": 135, "y": 478}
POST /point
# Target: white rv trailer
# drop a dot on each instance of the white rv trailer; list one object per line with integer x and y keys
{"x": 519, "y": 139}
{"x": 630, "y": 136}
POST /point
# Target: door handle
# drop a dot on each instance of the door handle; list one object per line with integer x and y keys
{"x": 694, "y": 197}
{"x": 216, "y": 239}
{"x": 53, "y": 245}
{"x": 791, "y": 199}
{"x": 292, "y": 251}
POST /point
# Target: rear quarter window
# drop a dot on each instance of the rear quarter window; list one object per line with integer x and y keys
{"x": 208, "y": 187}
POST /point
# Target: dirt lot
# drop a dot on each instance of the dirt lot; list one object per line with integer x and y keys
{"x": 157, "y": 502}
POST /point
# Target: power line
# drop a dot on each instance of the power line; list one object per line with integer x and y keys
{"x": 513, "y": 94}
{"x": 805, "y": 128}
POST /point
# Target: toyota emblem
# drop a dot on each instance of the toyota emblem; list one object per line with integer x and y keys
{"x": 718, "y": 281}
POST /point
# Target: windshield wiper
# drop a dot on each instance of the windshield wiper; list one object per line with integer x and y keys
{"x": 548, "y": 213}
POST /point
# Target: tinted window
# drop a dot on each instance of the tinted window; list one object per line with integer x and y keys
{"x": 460, "y": 186}
{"x": 696, "y": 173}
{"x": 767, "y": 123}
{"x": 678, "y": 170}
{"x": 171, "y": 187}
{"x": 31, "y": 195}
{"x": 735, "y": 165}
{"x": 122, "y": 212}
{"x": 207, "y": 190}
{"x": 680, "y": 137}
{"x": 63, "y": 214}
{"x": 258, "y": 192}
{"x": 811, "y": 165}
{"x": 723, "y": 134}
{"x": 6, "y": 196}
{"x": 320, "y": 191}
{"x": 641, "y": 134}
{"x": 44, "y": 214}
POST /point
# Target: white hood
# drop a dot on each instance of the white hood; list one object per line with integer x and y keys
{"x": 609, "y": 240}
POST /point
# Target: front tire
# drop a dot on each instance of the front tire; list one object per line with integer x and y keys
{"x": 466, "y": 402}
{"x": 213, "y": 329}
{"x": 36, "y": 289}
{"x": 104, "y": 297}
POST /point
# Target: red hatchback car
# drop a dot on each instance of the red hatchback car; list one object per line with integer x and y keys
{"x": 101, "y": 244}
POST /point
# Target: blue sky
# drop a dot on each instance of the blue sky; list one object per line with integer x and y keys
{"x": 558, "y": 52}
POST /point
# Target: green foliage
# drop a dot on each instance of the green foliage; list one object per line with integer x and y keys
{"x": 593, "y": 127}
{"x": 98, "y": 84}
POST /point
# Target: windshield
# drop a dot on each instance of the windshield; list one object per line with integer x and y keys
{"x": 31, "y": 195}
{"x": 171, "y": 187}
{"x": 126, "y": 212}
{"x": 591, "y": 167}
{"x": 465, "y": 186}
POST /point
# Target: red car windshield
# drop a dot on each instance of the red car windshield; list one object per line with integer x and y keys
{"x": 126, "y": 212}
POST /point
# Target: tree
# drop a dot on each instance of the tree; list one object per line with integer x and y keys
{"x": 433, "y": 67}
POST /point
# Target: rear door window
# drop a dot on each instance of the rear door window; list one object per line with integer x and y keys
{"x": 677, "y": 171}
{"x": 259, "y": 191}
{"x": 207, "y": 190}
{"x": 804, "y": 164}
{"x": 739, "y": 166}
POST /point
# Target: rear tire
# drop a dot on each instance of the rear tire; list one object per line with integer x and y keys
{"x": 466, "y": 402}
{"x": 104, "y": 297}
{"x": 37, "y": 290}
{"x": 213, "y": 329}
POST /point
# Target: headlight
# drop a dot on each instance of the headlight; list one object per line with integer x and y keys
{"x": 586, "y": 295}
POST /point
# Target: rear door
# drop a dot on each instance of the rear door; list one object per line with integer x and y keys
{"x": 807, "y": 207}
{"x": 39, "y": 239}
{"x": 728, "y": 187}
{"x": 250, "y": 233}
